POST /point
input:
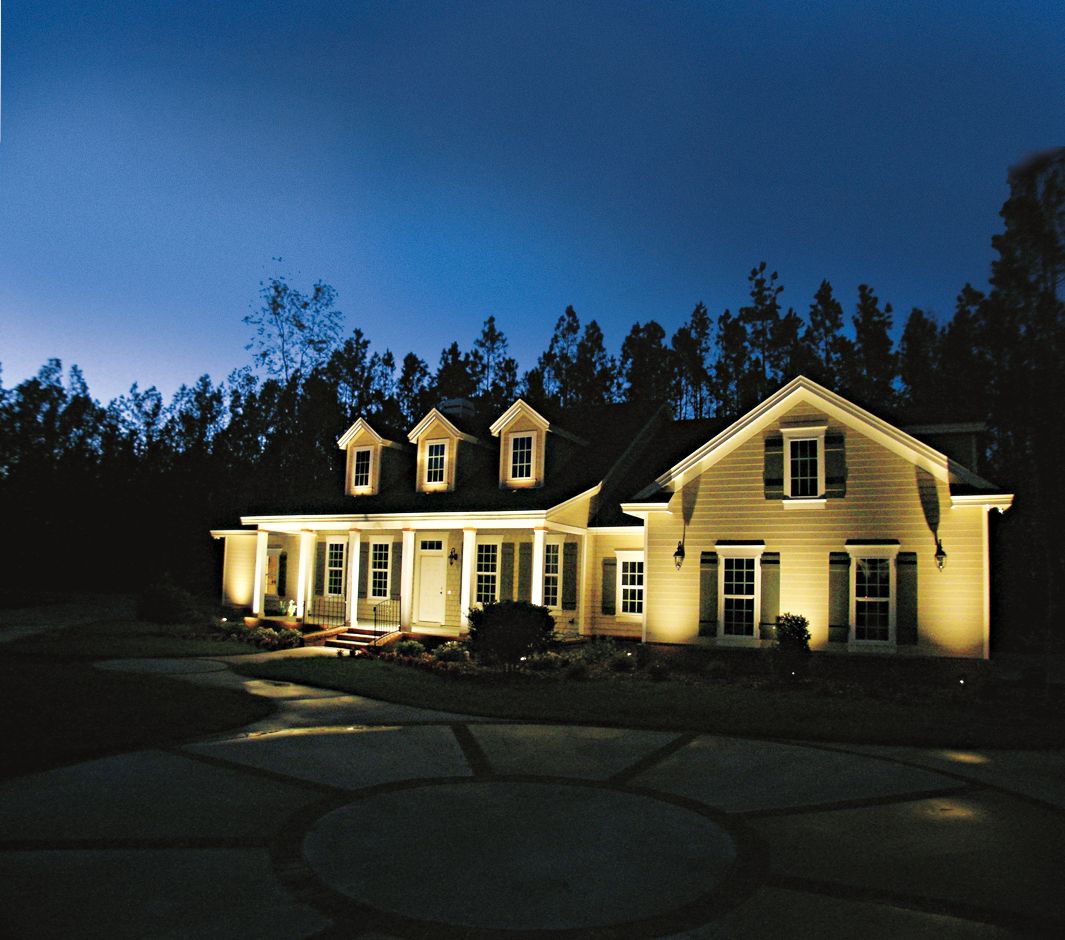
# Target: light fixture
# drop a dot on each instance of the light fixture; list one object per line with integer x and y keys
{"x": 941, "y": 556}
{"x": 452, "y": 557}
{"x": 678, "y": 555}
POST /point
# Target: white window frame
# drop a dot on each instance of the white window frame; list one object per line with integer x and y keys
{"x": 368, "y": 485}
{"x": 739, "y": 551}
{"x": 554, "y": 542}
{"x": 858, "y": 553}
{"x": 342, "y": 567}
{"x": 511, "y": 438}
{"x": 624, "y": 558}
{"x": 442, "y": 482}
{"x": 805, "y": 433}
{"x": 484, "y": 543}
{"x": 387, "y": 545}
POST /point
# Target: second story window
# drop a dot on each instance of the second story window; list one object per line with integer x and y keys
{"x": 802, "y": 453}
{"x": 521, "y": 457}
{"x": 436, "y": 462}
{"x": 360, "y": 475}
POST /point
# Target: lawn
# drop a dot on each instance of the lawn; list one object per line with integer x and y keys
{"x": 58, "y": 708}
{"x": 818, "y": 711}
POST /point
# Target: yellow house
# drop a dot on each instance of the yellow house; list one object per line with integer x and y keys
{"x": 631, "y": 524}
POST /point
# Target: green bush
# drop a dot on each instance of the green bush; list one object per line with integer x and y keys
{"x": 545, "y": 662}
{"x": 412, "y": 648}
{"x": 506, "y": 631}
{"x": 165, "y": 602}
{"x": 622, "y": 661}
{"x": 452, "y": 652}
{"x": 793, "y": 633}
{"x": 600, "y": 649}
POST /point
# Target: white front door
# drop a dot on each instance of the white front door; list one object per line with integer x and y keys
{"x": 431, "y": 589}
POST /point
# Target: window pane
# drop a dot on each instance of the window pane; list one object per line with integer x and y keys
{"x": 739, "y": 616}
{"x": 872, "y": 599}
{"x": 487, "y": 568}
{"x": 521, "y": 457}
{"x": 362, "y": 468}
{"x": 804, "y": 467}
{"x": 551, "y": 553}
{"x": 379, "y": 569}
{"x": 434, "y": 463}
{"x": 632, "y": 587}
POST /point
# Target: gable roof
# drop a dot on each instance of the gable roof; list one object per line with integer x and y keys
{"x": 388, "y": 437}
{"x": 523, "y": 407}
{"x": 436, "y": 414}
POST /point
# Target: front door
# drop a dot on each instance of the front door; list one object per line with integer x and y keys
{"x": 431, "y": 589}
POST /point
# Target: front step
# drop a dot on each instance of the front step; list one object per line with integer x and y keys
{"x": 352, "y": 639}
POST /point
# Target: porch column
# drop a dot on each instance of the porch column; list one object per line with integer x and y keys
{"x": 469, "y": 565}
{"x": 306, "y": 560}
{"x": 354, "y": 545}
{"x": 261, "y": 538}
{"x": 406, "y": 579}
{"x": 538, "y": 566}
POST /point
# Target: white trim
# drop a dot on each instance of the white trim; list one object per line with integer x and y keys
{"x": 520, "y": 407}
{"x": 536, "y": 589}
{"x": 565, "y": 504}
{"x": 354, "y": 560}
{"x": 509, "y": 477}
{"x": 810, "y": 502}
{"x": 986, "y": 501}
{"x": 351, "y": 433}
{"x": 807, "y": 432}
{"x": 469, "y": 565}
{"x": 341, "y": 522}
{"x": 437, "y": 415}
{"x": 406, "y": 578}
{"x": 370, "y": 596}
{"x": 857, "y": 551}
{"x": 629, "y": 556}
{"x": 755, "y": 551}
{"x": 985, "y": 559}
{"x": 258, "y": 592}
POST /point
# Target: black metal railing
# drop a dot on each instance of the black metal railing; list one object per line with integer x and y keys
{"x": 327, "y": 611}
{"x": 386, "y": 617}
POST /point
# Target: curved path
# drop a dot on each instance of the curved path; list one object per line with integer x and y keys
{"x": 347, "y": 817}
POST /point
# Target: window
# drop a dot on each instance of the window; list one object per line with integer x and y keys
{"x": 804, "y": 462}
{"x": 379, "y": 569}
{"x": 432, "y": 545}
{"x": 521, "y": 457}
{"x": 552, "y": 573}
{"x": 360, "y": 473}
{"x": 487, "y": 573}
{"x": 873, "y": 586}
{"x": 436, "y": 462}
{"x": 334, "y": 568}
{"x": 737, "y": 609}
{"x": 630, "y": 585}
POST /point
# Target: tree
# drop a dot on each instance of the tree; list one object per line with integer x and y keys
{"x": 550, "y": 381}
{"x": 594, "y": 373}
{"x": 870, "y": 375}
{"x": 828, "y": 349}
{"x": 647, "y": 365}
{"x": 495, "y": 373}
{"x": 454, "y": 376}
{"x": 691, "y": 346}
{"x": 761, "y": 319}
{"x": 294, "y": 333}
{"x": 920, "y": 354}
{"x": 734, "y": 385}
{"x": 413, "y": 389}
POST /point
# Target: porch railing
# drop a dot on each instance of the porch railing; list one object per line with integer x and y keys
{"x": 386, "y": 617}
{"x": 326, "y": 611}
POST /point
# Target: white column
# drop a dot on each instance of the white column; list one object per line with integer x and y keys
{"x": 469, "y": 564}
{"x": 585, "y": 547}
{"x": 406, "y": 579}
{"x": 261, "y": 538}
{"x": 306, "y": 560}
{"x": 538, "y": 566}
{"x": 354, "y": 546}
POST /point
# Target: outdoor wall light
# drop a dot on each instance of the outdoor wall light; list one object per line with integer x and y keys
{"x": 941, "y": 556}
{"x": 678, "y": 555}
{"x": 452, "y": 557}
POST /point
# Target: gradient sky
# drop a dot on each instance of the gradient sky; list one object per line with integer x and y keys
{"x": 440, "y": 162}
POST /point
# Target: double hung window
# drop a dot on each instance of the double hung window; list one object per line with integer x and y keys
{"x": 630, "y": 584}
{"x": 334, "y": 568}
{"x": 360, "y": 473}
{"x": 487, "y": 585}
{"x": 552, "y": 573}
{"x": 380, "y": 557}
{"x": 521, "y": 457}
{"x": 436, "y": 462}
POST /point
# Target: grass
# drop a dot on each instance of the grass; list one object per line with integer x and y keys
{"x": 58, "y": 708}
{"x": 811, "y": 711}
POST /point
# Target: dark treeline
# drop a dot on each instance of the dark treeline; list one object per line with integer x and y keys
{"x": 105, "y": 497}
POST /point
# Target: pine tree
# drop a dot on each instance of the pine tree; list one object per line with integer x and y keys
{"x": 647, "y": 371}
{"x": 691, "y": 346}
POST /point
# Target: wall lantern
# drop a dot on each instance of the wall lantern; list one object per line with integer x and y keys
{"x": 678, "y": 555}
{"x": 452, "y": 557}
{"x": 941, "y": 556}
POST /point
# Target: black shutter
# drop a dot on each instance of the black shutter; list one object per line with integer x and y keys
{"x": 282, "y": 573}
{"x": 364, "y": 568}
{"x": 506, "y": 571}
{"x": 835, "y": 466}
{"x": 569, "y": 575}
{"x": 610, "y": 585}
{"x": 839, "y": 597}
{"x": 524, "y": 571}
{"x": 906, "y": 598}
{"x": 319, "y": 569}
{"x": 770, "y": 595}
{"x": 773, "y": 477}
{"x": 397, "y": 569}
{"x": 708, "y": 594}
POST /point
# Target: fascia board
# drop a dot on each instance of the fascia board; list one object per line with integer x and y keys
{"x": 420, "y": 427}
{"x": 502, "y": 519}
{"x": 566, "y": 504}
{"x": 988, "y": 501}
{"x": 519, "y": 407}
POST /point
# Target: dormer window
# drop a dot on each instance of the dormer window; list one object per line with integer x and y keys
{"x": 521, "y": 457}
{"x": 435, "y": 463}
{"x": 804, "y": 462}
{"x": 360, "y": 468}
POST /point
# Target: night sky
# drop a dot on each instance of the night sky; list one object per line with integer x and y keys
{"x": 440, "y": 162}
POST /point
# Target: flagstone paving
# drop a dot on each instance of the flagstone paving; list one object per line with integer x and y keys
{"x": 340, "y": 816}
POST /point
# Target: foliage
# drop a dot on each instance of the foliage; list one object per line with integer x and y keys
{"x": 452, "y": 652}
{"x": 165, "y": 602}
{"x": 409, "y": 647}
{"x": 506, "y": 631}
{"x": 793, "y": 632}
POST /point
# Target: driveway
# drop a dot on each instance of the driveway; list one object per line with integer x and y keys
{"x": 347, "y": 817}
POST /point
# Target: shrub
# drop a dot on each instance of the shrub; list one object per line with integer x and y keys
{"x": 505, "y": 631}
{"x": 658, "y": 670}
{"x": 600, "y": 649}
{"x": 452, "y": 652}
{"x": 412, "y": 648}
{"x": 165, "y": 602}
{"x": 577, "y": 671}
{"x": 266, "y": 637}
{"x": 545, "y": 662}
{"x": 622, "y": 661}
{"x": 793, "y": 632}
{"x": 288, "y": 639}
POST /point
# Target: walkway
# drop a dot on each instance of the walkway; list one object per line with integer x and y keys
{"x": 340, "y": 816}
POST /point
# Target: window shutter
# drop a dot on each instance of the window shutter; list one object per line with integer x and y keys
{"x": 770, "y": 595}
{"x": 524, "y": 571}
{"x": 708, "y": 594}
{"x": 569, "y": 575}
{"x": 319, "y": 569}
{"x": 506, "y": 571}
{"x": 839, "y": 601}
{"x": 397, "y": 569}
{"x": 835, "y": 466}
{"x": 282, "y": 573}
{"x": 906, "y": 598}
{"x": 773, "y": 476}
{"x": 364, "y": 568}
{"x": 610, "y": 585}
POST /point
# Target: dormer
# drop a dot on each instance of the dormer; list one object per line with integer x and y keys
{"x": 522, "y": 433}
{"x": 437, "y": 438}
{"x": 365, "y": 450}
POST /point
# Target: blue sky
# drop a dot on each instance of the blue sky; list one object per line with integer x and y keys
{"x": 437, "y": 163}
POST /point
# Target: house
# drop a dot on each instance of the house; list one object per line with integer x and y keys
{"x": 631, "y": 524}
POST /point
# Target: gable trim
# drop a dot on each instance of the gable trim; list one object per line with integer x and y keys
{"x": 434, "y": 413}
{"x": 362, "y": 425}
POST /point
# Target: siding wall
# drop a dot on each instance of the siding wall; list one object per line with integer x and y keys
{"x": 238, "y": 569}
{"x": 882, "y": 502}
{"x": 602, "y": 543}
